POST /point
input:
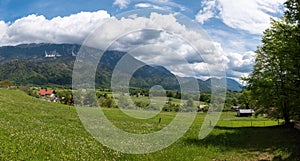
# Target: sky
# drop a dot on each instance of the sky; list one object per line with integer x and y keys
{"x": 233, "y": 27}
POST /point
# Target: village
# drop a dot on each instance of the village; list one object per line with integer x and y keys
{"x": 66, "y": 97}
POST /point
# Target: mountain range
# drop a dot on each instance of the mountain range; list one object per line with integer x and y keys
{"x": 52, "y": 64}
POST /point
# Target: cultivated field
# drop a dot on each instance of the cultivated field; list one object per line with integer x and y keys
{"x": 35, "y": 130}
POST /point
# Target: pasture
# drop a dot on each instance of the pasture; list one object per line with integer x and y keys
{"x": 35, "y": 130}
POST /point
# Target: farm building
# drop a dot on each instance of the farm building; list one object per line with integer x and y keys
{"x": 201, "y": 108}
{"x": 245, "y": 112}
{"x": 48, "y": 95}
{"x": 45, "y": 92}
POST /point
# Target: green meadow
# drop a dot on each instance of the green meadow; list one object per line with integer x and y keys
{"x": 31, "y": 129}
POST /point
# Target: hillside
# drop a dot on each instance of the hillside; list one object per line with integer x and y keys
{"x": 36, "y": 51}
{"x": 52, "y": 64}
{"x": 36, "y": 130}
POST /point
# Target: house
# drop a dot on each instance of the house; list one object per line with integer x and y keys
{"x": 45, "y": 92}
{"x": 201, "y": 108}
{"x": 245, "y": 112}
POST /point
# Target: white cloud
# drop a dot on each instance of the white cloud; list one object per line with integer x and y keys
{"x": 3, "y": 30}
{"x": 248, "y": 15}
{"x": 160, "y": 4}
{"x": 164, "y": 1}
{"x": 36, "y": 29}
{"x": 166, "y": 41}
{"x": 169, "y": 3}
{"x": 237, "y": 64}
{"x": 122, "y": 3}
{"x": 209, "y": 9}
{"x": 241, "y": 63}
{"x": 160, "y": 39}
{"x": 250, "y": 18}
{"x": 148, "y": 5}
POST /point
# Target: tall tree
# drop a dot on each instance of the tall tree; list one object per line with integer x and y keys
{"x": 292, "y": 15}
{"x": 274, "y": 82}
{"x": 245, "y": 100}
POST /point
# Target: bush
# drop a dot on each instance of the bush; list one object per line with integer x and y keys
{"x": 33, "y": 93}
{"x": 65, "y": 97}
{"x": 107, "y": 102}
{"x": 6, "y": 83}
{"x": 170, "y": 107}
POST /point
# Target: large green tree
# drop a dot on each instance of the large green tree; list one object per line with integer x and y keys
{"x": 274, "y": 82}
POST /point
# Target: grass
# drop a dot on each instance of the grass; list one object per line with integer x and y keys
{"x": 35, "y": 130}
{"x": 173, "y": 100}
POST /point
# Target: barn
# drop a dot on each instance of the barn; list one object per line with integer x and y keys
{"x": 245, "y": 112}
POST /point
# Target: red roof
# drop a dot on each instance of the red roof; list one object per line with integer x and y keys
{"x": 44, "y": 92}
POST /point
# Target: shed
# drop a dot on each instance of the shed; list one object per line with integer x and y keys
{"x": 245, "y": 112}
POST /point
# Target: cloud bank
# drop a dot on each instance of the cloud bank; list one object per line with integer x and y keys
{"x": 37, "y": 29}
{"x": 252, "y": 16}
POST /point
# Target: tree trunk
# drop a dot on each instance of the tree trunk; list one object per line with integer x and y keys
{"x": 287, "y": 119}
{"x": 286, "y": 112}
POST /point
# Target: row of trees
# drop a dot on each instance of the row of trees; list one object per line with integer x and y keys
{"x": 232, "y": 98}
{"x": 121, "y": 101}
{"x": 274, "y": 84}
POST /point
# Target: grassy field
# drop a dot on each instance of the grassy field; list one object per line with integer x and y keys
{"x": 35, "y": 130}
{"x": 173, "y": 100}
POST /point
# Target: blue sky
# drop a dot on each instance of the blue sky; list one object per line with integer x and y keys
{"x": 12, "y": 10}
{"x": 235, "y": 27}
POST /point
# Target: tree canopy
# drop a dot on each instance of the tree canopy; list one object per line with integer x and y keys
{"x": 274, "y": 83}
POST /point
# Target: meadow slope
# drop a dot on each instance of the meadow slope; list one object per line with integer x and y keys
{"x": 35, "y": 130}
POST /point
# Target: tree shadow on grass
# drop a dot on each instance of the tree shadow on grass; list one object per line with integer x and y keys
{"x": 281, "y": 142}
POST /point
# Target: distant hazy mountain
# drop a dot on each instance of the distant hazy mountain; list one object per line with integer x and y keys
{"x": 44, "y": 64}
